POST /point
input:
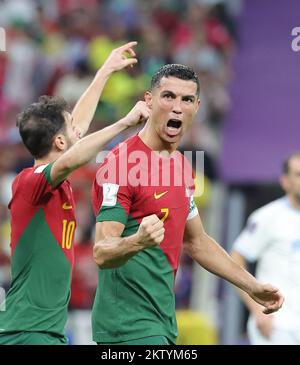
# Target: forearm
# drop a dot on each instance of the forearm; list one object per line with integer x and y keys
{"x": 113, "y": 252}
{"x": 210, "y": 255}
{"x": 84, "y": 151}
{"x": 85, "y": 108}
{"x": 252, "y": 306}
{"x": 87, "y": 148}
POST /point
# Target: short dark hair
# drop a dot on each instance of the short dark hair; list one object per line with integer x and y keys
{"x": 286, "y": 162}
{"x": 175, "y": 70}
{"x": 40, "y": 122}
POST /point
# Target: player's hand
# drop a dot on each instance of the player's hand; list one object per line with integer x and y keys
{"x": 139, "y": 113}
{"x": 264, "y": 324}
{"x": 268, "y": 296}
{"x": 120, "y": 58}
{"x": 77, "y": 132}
{"x": 151, "y": 231}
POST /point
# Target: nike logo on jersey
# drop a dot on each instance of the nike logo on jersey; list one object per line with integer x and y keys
{"x": 67, "y": 206}
{"x": 158, "y": 196}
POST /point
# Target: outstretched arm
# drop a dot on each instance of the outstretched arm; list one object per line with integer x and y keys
{"x": 209, "y": 254}
{"x": 85, "y": 108}
{"x": 87, "y": 148}
{"x": 263, "y": 322}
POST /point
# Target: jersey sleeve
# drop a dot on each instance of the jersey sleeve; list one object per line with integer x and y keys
{"x": 193, "y": 210}
{"x": 37, "y": 185}
{"x": 253, "y": 240}
{"x": 116, "y": 203}
{"x": 190, "y": 191}
{"x": 111, "y": 200}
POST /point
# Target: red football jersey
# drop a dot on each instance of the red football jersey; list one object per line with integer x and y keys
{"x": 42, "y": 244}
{"x": 147, "y": 183}
{"x": 132, "y": 183}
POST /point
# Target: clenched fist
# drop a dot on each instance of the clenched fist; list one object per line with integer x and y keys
{"x": 151, "y": 231}
{"x": 138, "y": 114}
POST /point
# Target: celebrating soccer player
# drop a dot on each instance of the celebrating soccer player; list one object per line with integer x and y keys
{"x": 145, "y": 218}
{"x": 42, "y": 207}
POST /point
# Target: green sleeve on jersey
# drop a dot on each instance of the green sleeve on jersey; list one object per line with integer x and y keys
{"x": 193, "y": 210}
{"x": 192, "y": 205}
{"x": 114, "y": 213}
{"x": 47, "y": 172}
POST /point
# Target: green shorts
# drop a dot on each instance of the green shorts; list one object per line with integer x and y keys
{"x": 151, "y": 340}
{"x": 32, "y": 338}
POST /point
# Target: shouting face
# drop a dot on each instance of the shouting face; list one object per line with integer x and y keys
{"x": 174, "y": 104}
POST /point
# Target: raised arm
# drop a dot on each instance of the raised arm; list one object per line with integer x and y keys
{"x": 85, "y": 108}
{"x": 209, "y": 254}
{"x": 87, "y": 148}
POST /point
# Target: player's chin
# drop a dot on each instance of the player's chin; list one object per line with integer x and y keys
{"x": 171, "y": 139}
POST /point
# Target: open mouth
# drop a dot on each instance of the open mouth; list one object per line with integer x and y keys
{"x": 173, "y": 127}
{"x": 174, "y": 123}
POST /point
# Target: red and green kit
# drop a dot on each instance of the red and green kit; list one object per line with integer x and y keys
{"x": 137, "y": 299}
{"x": 42, "y": 254}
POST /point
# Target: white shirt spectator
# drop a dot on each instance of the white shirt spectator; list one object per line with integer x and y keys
{"x": 272, "y": 238}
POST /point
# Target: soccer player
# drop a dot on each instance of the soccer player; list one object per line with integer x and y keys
{"x": 42, "y": 207}
{"x": 142, "y": 223}
{"x": 272, "y": 239}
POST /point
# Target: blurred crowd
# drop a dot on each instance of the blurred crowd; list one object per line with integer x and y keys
{"x": 55, "y": 47}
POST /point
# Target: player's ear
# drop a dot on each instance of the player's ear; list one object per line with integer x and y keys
{"x": 148, "y": 99}
{"x": 60, "y": 142}
{"x": 198, "y": 103}
{"x": 284, "y": 183}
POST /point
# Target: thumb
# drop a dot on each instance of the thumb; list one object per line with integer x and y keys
{"x": 270, "y": 288}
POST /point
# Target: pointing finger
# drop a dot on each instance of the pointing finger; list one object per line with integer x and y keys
{"x": 127, "y": 46}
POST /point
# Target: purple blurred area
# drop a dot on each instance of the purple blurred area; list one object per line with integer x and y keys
{"x": 263, "y": 126}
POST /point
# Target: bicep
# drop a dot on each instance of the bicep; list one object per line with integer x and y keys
{"x": 193, "y": 233}
{"x": 59, "y": 171}
{"x": 108, "y": 229}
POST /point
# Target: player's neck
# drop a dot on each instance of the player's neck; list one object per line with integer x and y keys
{"x": 150, "y": 137}
{"x": 51, "y": 157}
{"x": 294, "y": 202}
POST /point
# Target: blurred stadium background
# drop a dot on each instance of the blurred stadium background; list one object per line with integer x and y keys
{"x": 247, "y": 123}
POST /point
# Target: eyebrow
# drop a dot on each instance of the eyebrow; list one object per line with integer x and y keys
{"x": 168, "y": 92}
{"x": 172, "y": 94}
